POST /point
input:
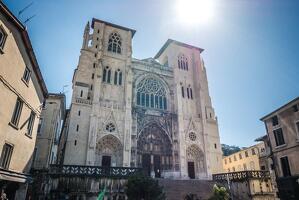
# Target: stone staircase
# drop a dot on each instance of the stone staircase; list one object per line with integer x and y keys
{"x": 178, "y": 189}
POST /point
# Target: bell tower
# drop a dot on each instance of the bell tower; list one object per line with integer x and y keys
{"x": 102, "y": 90}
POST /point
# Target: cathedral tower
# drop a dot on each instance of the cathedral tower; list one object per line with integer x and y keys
{"x": 100, "y": 118}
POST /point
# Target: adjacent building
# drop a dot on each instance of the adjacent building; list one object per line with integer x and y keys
{"x": 22, "y": 94}
{"x": 48, "y": 132}
{"x": 246, "y": 159}
{"x": 266, "y": 161}
{"x": 248, "y": 174}
{"x": 282, "y": 126}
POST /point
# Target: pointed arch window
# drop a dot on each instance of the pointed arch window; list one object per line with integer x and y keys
{"x": 189, "y": 92}
{"x": 183, "y": 62}
{"x": 151, "y": 94}
{"x": 183, "y": 91}
{"x": 114, "y": 43}
{"x": 107, "y": 75}
{"x": 118, "y": 77}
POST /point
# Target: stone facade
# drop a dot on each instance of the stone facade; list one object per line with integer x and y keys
{"x": 246, "y": 159}
{"x": 48, "y": 132}
{"x": 154, "y": 113}
{"x": 282, "y": 126}
{"x": 22, "y": 94}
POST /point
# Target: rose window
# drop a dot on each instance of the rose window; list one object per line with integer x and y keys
{"x": 192, "y": 136}
{"x": 110, "y": 127}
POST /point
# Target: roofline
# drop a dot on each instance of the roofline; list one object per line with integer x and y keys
{"x": 56, "y": 94}
{"x": 60, "y": 96}
{"x": 244, "y": 149}
{"x": 281, "y": 107}
{"x": 169, "y": 41}
{"x": 114, "y": 25}
{"x": 28, "y": 45}
{"x": 260, "y": 139}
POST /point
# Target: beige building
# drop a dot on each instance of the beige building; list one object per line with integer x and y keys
{"x": 153, "y": 113}
{"x": 247, "y": 185}
{"x": 246, "y": 159}
{"x": 22, "y": 93}
{"x": 248, "y": 174}
{"x": 282, "y": 126}
{"x": 48, "y": 131}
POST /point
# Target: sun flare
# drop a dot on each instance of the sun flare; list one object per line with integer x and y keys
{"x": 195, "y": 11}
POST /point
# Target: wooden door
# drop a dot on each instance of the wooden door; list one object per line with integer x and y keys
{"x": 106, "y": 161}
{"x": 146, "y": 163}
{"x": 191, "y": 170}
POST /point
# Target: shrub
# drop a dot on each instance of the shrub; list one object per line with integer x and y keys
{"x": 140, "y": 187}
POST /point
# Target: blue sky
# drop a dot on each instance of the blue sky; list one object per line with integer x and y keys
{"x": 251, "y": 49}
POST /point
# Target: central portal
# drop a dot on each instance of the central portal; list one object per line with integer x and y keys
{"x": 154, "y": 151}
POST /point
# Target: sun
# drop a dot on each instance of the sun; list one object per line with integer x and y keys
{"x": 195, "y": 11}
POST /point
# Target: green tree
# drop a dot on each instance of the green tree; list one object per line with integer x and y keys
{"x": 140, "y": 187}
{"x": 219, "y": 193}
{"x": 229, "y": 149}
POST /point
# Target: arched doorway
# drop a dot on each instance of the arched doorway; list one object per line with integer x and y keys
{"x": 154, "y": 150}
{"x": 109, "y": 152}
{"x": 195, "y": 161}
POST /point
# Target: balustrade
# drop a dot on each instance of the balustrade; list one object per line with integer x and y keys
{"x": 77, "y": 170}
{"x": 242, "y": 175}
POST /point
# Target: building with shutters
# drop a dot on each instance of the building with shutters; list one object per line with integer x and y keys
{"x": 282, "y": 139}
{"x": 22, "y": 93}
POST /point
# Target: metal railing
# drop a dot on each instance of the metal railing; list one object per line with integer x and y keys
{"x": 93, "y": 171}
{"x": 242, "y": 175}
{"x": 83, "y": 101}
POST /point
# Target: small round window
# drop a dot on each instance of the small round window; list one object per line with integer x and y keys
{"x": 192, "y": 136}
{"x": 110, "y": 127}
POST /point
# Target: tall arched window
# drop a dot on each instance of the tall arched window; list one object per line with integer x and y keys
{"x": 107, "y": 75}
{"x": 182, "y": 62}
{"x": 114, "y": 43}
{"x": 151, "y": 94}
{"x": 118, "y": 77}
{"x": 189, "y": 92}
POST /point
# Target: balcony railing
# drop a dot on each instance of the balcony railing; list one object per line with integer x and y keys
{"x": 93, "y": 171}
{"x": 83, "y": 101}
{"x": 242, "y": 175}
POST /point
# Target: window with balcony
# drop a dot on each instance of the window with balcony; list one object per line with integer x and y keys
{"x": 285, "y": 167}
{"x": 279, "y": 139}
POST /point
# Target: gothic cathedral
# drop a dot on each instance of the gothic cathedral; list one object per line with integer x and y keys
{"x": 154, "y": 113}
